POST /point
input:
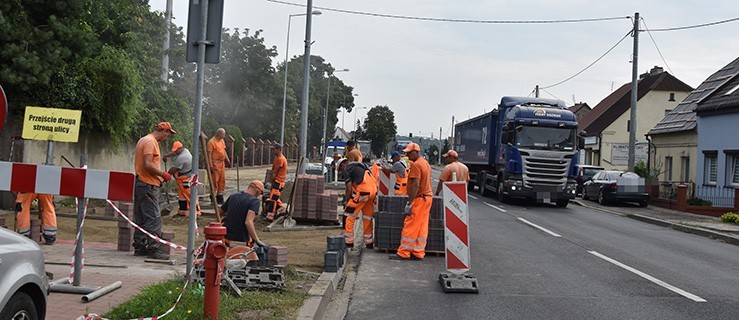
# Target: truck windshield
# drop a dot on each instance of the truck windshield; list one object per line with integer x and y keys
{"x": 549, "y": 138}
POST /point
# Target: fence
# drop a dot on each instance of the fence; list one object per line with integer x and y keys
{"x": 668, "y": 189}
{"x": 719, "y": 196}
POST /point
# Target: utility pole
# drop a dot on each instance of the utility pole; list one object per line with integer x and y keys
{"x": 306, "y": 88}
{"x": 536, "y": 91}
{"x": 325, "y": 118}
{"x": 165, "y": 45}
{"x": 634, "y": 86}
{"x": 441, "y": 145}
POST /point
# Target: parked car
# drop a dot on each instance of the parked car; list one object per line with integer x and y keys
{"x": 23, "y": 283}
{"x": 616, "y": 186}
{"x": 584, "y": 173}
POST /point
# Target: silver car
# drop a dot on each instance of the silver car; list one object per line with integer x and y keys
{"x": 23, "y": 283}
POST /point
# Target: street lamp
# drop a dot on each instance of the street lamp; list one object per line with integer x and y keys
{"x": 355, "y": 117}
{"x": 344, "y": 108}
{"x": 287, "y": 50}
{"x": 325, "y": 111}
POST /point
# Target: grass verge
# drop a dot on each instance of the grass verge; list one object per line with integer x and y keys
{"x": 156, "y": 299}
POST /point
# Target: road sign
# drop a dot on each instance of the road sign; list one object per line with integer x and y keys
{"x": 456, "y": 227}
{"x": 212, "y": 34}
{"x": 3, "y": 108}
{"x": 51, "y": 124}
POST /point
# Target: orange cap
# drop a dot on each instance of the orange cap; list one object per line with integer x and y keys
{"x": 451, "y": 153}
{"x": 165, "y": 126}
{"x": 176, "y": 146}
{"x": 412, "y": 147}
{"x": 257, "y": 184}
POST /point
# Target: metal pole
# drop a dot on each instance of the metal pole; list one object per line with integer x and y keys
{"x": 165, "y": 46}
{"x": 536, "y": 90}
{"x": 325, "y": 118}
{"x": 634, "y": 86}
{"x": 49, "y": 153}
{"x": 196, "y": 132}
{"x": 306, "y": 88}
{"x": 284, "y": 89}
{"x": 78, "y": 249}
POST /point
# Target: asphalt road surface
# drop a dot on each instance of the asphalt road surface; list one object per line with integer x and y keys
{"x": 542, "y": 262}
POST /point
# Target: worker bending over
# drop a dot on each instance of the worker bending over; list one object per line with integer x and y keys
{"x": 400, "y": 169}
{"x": 239, "y": 211}
{"x": 48, "y": 215}
{"x": 182, "y": 171}
{"x": 359, "y": 197}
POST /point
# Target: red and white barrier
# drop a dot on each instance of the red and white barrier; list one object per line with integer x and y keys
{"x": 73, "y": 182}
{"x": 386, "y": 187}
{"x": 456, "y": 227}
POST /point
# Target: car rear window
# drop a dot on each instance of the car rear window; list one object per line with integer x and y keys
{"x": 590, "y": 172}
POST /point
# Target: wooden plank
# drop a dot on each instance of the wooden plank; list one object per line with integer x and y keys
{"x": 204, "y": 148}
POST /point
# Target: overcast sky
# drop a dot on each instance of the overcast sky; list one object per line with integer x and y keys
{"x": 427, "y": 72}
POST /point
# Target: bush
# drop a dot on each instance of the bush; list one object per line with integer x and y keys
{"x": 699, "y": 202}
{"x": 730, "y": 217}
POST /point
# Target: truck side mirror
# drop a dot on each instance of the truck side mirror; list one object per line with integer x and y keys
{"x": 505, "y": 137}
{"x": 580, "y": 142}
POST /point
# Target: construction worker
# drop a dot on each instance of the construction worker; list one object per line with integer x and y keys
{"x": 400, "y": 169}
{"x": 352, "y": 153}
{"x": 453, "y": 171}
{"x": 218, "y": 162}
{"x": 359, "y": 197}
{"x": 416, "y": 224}
{"x": 149, "y": 179}
{"x": 182, "y": 171}
{"x": 239, "y": 211}
{"x": 48, "y": 215}
{"x": 277, "y": 181}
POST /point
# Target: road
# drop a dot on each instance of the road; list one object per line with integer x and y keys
{"x": 542, "y": 262}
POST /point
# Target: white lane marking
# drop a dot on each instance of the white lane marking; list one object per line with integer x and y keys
{"x": 553, "y": 234}
{"x": 496, "y": 207}
{"x": 650, "y": 278}
{"x": 471, "y": 196}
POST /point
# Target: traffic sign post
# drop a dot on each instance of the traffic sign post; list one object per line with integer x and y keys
{"x": 457, "y": 240}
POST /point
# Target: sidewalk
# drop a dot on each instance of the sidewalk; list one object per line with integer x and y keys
{"x": 110, "y": 266}
{"x": 707, "y": 226}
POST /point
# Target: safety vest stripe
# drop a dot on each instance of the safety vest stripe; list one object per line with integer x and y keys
{"x": 367, "y": 218}
{"x": 406, "y": 246}
{"x": 406, "y": 239}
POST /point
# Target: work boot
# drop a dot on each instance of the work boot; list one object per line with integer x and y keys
{"x": 350, "y": 245}
{"x": 158, "y": 255}
{"x": 370, "y": 246}
{"x": 397, "y": 258}
{"x": 219, "y": 199}
{"x": 139, "y": 252}
{"x": 49, "y": 240}
{"x": 416, "y": 258}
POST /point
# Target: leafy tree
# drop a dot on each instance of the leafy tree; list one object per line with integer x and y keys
{"x": 380, "y": 128}
{"x": 445, "y": 146}
{"x": 432, "y": 154}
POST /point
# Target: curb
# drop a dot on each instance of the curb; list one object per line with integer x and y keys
{"x": 314, "y": 307}
{"x": 676, "y": 226}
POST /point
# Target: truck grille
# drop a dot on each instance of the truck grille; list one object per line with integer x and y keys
{"x": 539, "y": 171}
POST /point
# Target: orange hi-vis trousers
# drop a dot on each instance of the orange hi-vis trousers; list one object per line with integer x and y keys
{"x": 219, "y": 176}
{"x": 273, "y": 202}
{"x": 183, "y": 195}
{"x": 363, "y": 203}
{"x": 416, "y": 229}
{"x": 48, "y": 215}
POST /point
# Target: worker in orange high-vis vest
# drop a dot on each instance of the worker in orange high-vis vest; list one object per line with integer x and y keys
{"x": 453, "y": 170}
{"x": 182, "y": 171}
{"x": 400, "y": 169}
{"x": 218, "y": 162}
{"x": 352, "y": 153}
{"x": 420, "y": 195}
{"x": 361, "y": 189}
{"x": 46, "y": 209}
{"x": 277, "y": 181}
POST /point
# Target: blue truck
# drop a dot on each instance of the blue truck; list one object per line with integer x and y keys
{"x": 526, "y": 148}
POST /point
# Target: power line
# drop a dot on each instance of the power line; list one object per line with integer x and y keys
{"x": 656, "y": 46}
{"x": 696, "y": 25}
{"x": 545, "y": 90}
{"x": 590, "y": 65}
{"x": 393, "y": 16}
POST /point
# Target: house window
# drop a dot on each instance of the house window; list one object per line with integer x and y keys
{"x": 684, "y": 169}
{"x": 668, "y": 168}
{"x": 672, "y": 96}
{"x": 732, "y": 168}
{"x": 710, "y": 168}
{"x": 735, "y": 171}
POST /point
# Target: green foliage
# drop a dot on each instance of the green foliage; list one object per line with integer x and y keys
{"x": 432, "y": 154}
{"x": 699, "y": 202}
{"x": 379, "y": 128}
{"x": 730, "y": 217}
{"x": 235, "y": 132}
{"x": 641, "y": 169}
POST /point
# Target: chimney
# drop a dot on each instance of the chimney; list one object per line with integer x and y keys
{"x": 654, "y": 71}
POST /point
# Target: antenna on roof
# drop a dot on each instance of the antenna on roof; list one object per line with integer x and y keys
{"x": 573, "y": 99}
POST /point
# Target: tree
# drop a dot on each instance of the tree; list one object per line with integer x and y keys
{"x": 445, "y": 146}
{"x": 380, "y": 128}
{"x": 432, "y": 154}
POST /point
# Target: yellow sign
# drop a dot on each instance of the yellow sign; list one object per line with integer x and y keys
{"x": 52, "y": 124}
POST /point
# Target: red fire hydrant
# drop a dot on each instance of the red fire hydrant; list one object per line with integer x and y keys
{"x": 214, "y": 264}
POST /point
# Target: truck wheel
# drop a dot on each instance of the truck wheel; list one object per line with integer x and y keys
{"x": 481, "y": 185}
{"x": 562, "y": 203}
{"x": 502, "y": 197}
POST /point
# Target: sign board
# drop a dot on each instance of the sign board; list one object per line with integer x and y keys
{"x": 456, "y": 227}
{"x": 620, "y": 153}
{"x": 214, "y": 24}
{"x": 3, "y": 108}
{"x": 591, "y": 140}
{"x": 51, "y": 124}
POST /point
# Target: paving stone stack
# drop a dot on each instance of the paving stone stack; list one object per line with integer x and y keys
{"x": 389, "y": 223}
{"x": 312, "y": 201}
{"x": 277, "y": 256}
{"x": 335, "y": 255}
{"x": 125, "y": 230}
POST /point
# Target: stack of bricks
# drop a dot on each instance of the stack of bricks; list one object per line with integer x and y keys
{"x": 312, "y": 201}
{"x": 389, "y": 223}
{"x": 335, "y": 255}
{"x": 277, "y": 256}
{"x": 125, "y": 230}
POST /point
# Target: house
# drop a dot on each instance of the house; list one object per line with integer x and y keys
{"x": 718, "y": 146}
{"x": 606, "y": 126}
{"x": 675, "y": 138}
{"x": 580, "y": 110}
